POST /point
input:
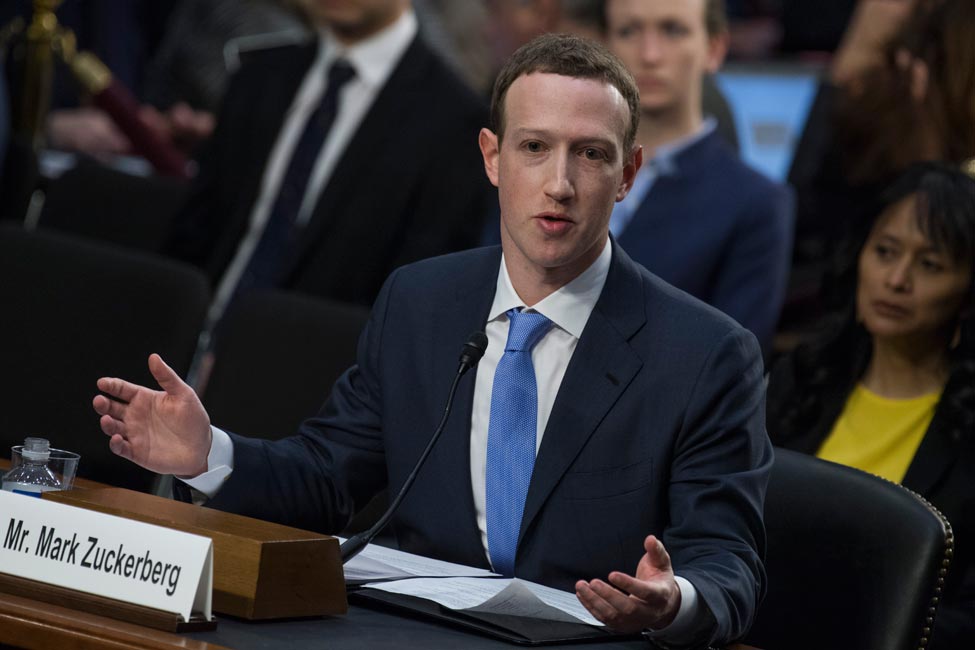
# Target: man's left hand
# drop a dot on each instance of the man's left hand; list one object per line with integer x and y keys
{"x": 629, "y": 604}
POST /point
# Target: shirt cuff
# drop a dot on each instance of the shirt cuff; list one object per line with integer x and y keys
{"x": 684, "y": 627}
{"x": 220, "y": 463}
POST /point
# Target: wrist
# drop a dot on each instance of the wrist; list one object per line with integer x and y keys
{"x": 671, "y": 610}
{"x": 202, "y": 466}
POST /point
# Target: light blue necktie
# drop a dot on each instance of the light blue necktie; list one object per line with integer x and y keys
{"x": 511, "y": 437}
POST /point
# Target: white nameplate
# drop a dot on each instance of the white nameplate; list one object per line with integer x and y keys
{"x": 106, "y": 555}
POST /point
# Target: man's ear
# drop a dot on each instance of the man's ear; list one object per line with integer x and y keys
{"x": 490, "y": 151}
{"x": 717, "y": 51}
{"x": 630, "y": 167}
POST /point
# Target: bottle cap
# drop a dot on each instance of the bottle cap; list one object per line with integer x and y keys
{"x": 36, "y": 449}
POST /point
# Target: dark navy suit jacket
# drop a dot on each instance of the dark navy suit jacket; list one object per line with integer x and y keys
{"x": 721, "y": 232}
{"x": 658, "y": 427}
{"x": 410, "y": 183}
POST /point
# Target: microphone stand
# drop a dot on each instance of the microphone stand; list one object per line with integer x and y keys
{"x": 473, "y": 350}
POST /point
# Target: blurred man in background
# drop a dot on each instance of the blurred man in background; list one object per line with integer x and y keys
{"x": 336, "y": 161}
{"x": 697, "y": 216}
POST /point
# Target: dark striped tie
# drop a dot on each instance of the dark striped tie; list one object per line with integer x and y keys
{"x": 279, "y": 241}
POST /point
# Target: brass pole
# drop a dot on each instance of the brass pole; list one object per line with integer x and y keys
{"x": 35, "y": 98}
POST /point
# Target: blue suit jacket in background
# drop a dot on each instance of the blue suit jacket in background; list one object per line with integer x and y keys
{"x": 658, "y": 427}
{"x": 721, "y": 232}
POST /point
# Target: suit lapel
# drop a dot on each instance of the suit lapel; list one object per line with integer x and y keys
{"x": 602, "y": 366}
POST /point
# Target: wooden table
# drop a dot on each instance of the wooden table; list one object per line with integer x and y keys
{"x": 35, "y": 625}
{"x": 38, "y": 626}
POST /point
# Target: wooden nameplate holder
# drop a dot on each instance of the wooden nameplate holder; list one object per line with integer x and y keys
{"x": 260, "y": 570}
{"x": 101, "y": 606}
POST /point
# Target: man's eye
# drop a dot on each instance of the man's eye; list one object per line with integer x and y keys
{"x": 533, "y": 147}
{"x": 593, "y": 154}
{"x": 626, "y": 31}
{"x": 674, "y": 29}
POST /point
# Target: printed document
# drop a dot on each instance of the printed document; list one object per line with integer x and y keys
{"x": 495, "y": 595}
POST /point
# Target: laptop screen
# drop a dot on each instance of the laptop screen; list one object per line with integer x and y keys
{"x": 770, "y": 103}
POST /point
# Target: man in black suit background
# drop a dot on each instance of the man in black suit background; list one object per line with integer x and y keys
{"x": 393, "y": 175}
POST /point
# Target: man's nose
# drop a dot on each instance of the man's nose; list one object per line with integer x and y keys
{"x": 651, "y": 50}
{"x": 559, "y": 186}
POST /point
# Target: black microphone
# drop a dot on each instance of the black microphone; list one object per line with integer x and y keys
{"x": 469, "y": 356}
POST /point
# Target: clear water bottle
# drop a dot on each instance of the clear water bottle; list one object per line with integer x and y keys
{"x": 32, "y": 476}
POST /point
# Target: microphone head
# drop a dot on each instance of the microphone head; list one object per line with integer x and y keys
{"x": 473, "y": 350}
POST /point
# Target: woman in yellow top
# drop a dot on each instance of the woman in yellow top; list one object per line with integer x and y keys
{"x": 889, "y": 385}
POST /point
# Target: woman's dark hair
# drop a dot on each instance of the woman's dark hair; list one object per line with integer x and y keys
{"x": 837, "y": 356}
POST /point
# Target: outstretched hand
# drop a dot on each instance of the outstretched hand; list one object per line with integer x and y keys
{"x": 165, "y": 431}
{"x": 629, "y": 604}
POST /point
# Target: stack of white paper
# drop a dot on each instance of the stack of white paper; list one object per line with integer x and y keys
{"x": 496, "y": 596}
{"x": 462, "y": 587}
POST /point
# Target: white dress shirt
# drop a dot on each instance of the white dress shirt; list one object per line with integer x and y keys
{"x": 373, "y": 60}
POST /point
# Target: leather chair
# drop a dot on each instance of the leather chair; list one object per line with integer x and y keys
{"x": 98, "y": 202}
{"x": 854, "y": 561}
{"x": 21, "y": 177}
{"x": 72, "y": 311}
{"x": 276, "y": 356}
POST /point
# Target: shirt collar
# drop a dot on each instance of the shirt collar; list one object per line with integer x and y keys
{"x": 570, "y": 306}
{"x": 375, "y": 57}
{"x": 664, "y": 158}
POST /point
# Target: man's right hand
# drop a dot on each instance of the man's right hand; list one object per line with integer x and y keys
{"x": 165, "y": 431}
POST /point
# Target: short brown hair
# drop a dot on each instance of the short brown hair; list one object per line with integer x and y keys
{"x": 569, "y": 56}
{"x": 715, "y": 17}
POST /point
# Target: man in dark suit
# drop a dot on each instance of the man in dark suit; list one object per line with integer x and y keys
{"x": 697, "y": 216}
{"x": 642, "y": 410}
{"x": 394, "y": 179}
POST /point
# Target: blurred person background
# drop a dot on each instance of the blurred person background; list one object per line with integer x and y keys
{"x": 333, "y": 162}
{"x": 888, "y": 383}
{"x": 175, "y": 57}
{"x": 697, "y": 216}
{"x": 899, "y": 90}
{"x": 123, "y": 34}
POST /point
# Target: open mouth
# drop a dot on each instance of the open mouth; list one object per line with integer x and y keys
{"x": 554, "y": 224}
{"x": 554, "y": 218}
